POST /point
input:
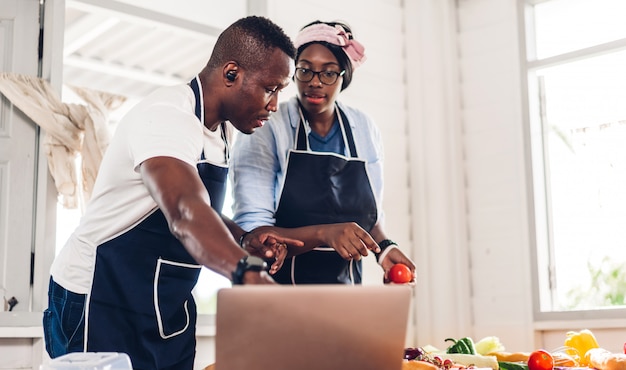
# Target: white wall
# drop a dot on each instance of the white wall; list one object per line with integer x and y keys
{"x": 492, "y": 129}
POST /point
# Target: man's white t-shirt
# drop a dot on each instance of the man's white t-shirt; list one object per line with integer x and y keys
{"x": 163, "y": 124}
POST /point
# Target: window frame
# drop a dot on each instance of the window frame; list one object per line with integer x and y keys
{"x": 542, "y": 248}
{"x": 27, "y": 314}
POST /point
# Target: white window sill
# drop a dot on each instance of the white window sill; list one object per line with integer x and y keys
{"x": 587, "y": 323}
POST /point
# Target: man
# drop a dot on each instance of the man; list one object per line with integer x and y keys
{"x": 123, "y": 281}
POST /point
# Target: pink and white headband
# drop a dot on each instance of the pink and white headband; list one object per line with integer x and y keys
{"x": 334, "y": 35}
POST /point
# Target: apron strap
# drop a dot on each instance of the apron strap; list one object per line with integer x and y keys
{"x": 301, "y": 140}
{"x": 195, "y": 86}
{"x": 225, "y": 139}
{"x": 199, "y": 110}
{"x": 346, "y": 125}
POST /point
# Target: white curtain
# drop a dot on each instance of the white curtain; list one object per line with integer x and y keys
{"x": 72, "y": 130}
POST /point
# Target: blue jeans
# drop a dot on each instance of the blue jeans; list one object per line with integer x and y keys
{"x": 64, "y": 321}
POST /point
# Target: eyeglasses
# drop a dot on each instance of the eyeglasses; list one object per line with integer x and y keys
{"x": 325, "y": 77}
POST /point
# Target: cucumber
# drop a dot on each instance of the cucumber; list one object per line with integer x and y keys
{"x": 504, "y": 365}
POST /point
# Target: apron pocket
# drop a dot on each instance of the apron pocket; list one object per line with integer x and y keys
{"x": 173, "y": 303}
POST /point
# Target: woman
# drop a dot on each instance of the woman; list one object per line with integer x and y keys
{"x": 315, "y": 169}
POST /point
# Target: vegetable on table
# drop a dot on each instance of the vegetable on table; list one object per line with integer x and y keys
{"x": 418, "y": 365}
{"x": 478, "y": 361}
{"x": 562, "y": 359}
{"x": 489, "y": 345}
{"x": 463, "y": 345}
{"x": 511, "y": 356}
{"x": 578, "y": 343}
{"x": 540, "y": 360}
{"x": 506, "y": 365}
{"x": 603, "y": 359}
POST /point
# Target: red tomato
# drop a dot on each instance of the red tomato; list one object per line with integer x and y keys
{"x": 540, "y": 360}
{"x": 400, "y": 274}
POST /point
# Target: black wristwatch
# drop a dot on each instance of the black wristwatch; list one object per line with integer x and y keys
{"x": 247, "y": 263}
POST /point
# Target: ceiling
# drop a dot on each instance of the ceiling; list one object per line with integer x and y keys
{"x": 117, "y": 47}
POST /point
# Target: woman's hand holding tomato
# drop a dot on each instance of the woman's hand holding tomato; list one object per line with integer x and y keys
{"x": 397, "y": 257}
{"x": 400, "y": 274}
{"x": 540, "y": 360}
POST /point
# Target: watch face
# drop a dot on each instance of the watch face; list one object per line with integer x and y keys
{"x": 255, "y": 263}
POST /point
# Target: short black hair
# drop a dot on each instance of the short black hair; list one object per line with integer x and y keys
{"x": 342, "y": 58}
{"x": 247, "y": 41}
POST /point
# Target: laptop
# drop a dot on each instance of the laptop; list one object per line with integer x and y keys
{"x": 311, "y": 327}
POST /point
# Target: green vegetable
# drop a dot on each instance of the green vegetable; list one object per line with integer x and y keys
{"x": 488, "y": 345}
{"x": 463, "y": 345}
{"x": 504, "y": 365}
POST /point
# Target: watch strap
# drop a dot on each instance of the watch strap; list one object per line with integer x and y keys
{"x": 383, "y": 245}
{"x": 247, "y": 263}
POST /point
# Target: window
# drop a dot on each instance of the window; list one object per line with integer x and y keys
{"x": 577, "y": 102}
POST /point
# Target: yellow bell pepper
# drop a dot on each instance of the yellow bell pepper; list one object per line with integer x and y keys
{"x": 578, "y": 343}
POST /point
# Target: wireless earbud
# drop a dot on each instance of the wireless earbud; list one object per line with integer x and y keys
{"x": 231, "y": 75}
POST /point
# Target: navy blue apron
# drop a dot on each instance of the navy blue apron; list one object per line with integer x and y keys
{"x": 324, "y": 188}
{"x": 140, "y": 301}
